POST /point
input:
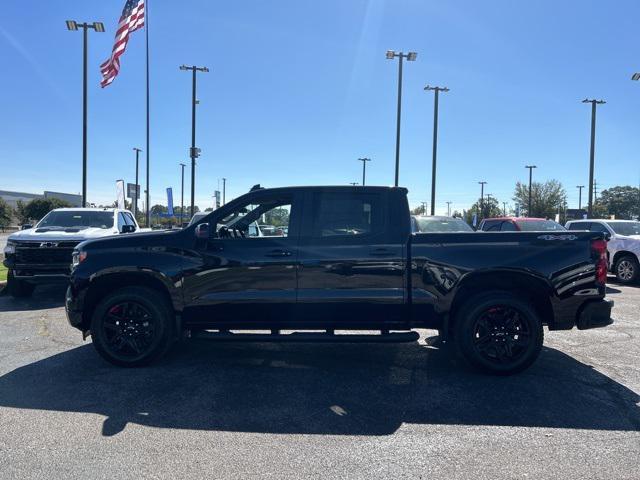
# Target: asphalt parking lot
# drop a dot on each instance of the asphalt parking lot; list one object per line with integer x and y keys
{"x": 315, "y": 411}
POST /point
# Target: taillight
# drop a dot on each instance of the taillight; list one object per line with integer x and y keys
{"x": 599, "y": 248}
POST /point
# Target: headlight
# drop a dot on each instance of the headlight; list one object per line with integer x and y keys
{"x": 10, "y": 248}
{"x": 78, "y": 257}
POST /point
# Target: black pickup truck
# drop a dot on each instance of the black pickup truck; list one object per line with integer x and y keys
{"x": 341, "y": 259}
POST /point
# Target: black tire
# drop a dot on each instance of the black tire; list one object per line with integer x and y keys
{"x": 626, "y": 269}
{"x": 18, "y": 288}
{"x": 498, "y": 333}
{"x": 132, "y": 326}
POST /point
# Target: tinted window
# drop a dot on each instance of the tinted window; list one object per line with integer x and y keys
{"x": 430, "y": 224}
{"x": 508, "y": 226}
{"x": 346, "y": 214}
{"x": 625, "y": 228}
{"x": 539, "y": 225}
{"x": 129, "y": 219}
{"x": 580, "y": 226}
{"x": 273, "y": 213}
{"x": 598, "y": 227}
{"x": 491, "y": 225}
{"x": 78, "y": 219}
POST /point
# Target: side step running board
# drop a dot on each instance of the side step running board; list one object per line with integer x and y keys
{"x": 315, "y": 337}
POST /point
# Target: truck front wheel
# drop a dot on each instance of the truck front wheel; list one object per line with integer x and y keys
{"x": 627, "y": 269}
{"x": 498, "y": 333}
{"x": 18, "y": 288}
{"x": 132, "y": 326}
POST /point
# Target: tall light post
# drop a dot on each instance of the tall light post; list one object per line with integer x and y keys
{"x": 364, "y": 168}
{"x": 592, "y": 153}
{"x": 193, "y": 151}
{"x": 504, "y": 209}
{"x": 436, "y": 91}
{"x": 73, "y": 26}
{"x": 482, "y": 184}
{"x": 135, "y": 195}
{"x": 224, "y": 190}
{"x": 579, "y": 187}
{"x": 182, "y": 165}
{"x": 449, "y": 209}
{"x": 411, "y": 57}
{"x": 530, "y": 167}
{"x": 424, "y": 208}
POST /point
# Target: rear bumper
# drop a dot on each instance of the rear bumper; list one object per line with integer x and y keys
{"x": 595, "y": 314}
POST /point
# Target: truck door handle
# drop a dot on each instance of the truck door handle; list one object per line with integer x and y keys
{"x": 278, "y": 253}
{"x": 381, "y": 252}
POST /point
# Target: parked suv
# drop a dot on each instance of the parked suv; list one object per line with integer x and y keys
{"x": 518, "y": 224}
{"x": 43, "y": 254}
{"x": 623, "y": 247}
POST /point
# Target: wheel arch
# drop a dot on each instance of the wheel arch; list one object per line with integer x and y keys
{"x": 107, "y": 282}
{"x": 527, "y": 286}
{"x": 623, "y": 253}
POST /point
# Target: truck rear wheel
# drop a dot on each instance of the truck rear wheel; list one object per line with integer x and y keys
{"x": 18, "y": 288}
{"x": 498, "y": 333}
{"x": 132, "y": 326}
{"x": 627, "y": 269}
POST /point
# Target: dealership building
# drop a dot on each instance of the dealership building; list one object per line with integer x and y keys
{"x": 12, "y": 198}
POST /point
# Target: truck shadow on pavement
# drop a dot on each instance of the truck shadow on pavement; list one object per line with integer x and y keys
{"x": 319, "y": 389}
{"x": 44, "y": 296}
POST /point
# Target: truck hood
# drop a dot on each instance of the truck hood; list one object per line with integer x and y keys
{"x": 140, "y": 238}
{"x": 68, "y": 234}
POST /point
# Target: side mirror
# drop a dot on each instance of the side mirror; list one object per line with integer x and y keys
{"x": 202, "y": 231}
{"x": 26, "y": 226}
{"x": 128, "y": 229}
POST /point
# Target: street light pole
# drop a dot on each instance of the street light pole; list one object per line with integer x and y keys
{"x": 593, "y": 103}
{"x": 72, "y": 25}
{"x": 504, "y": 209}
{"x": 182, "y": 165}
{"x": 411, "y": 56}
{"x": 482, "y": 184}
{"x": 579, "y": 187}
{"x": 436, "y": 91}
{"x": 135, "y": 195}
{"x": 424, "y": 208}
{"x": 193, "y": 152}
{"x": 448, "y": 209}
{"x": 224, "y": 190}
{"x": 530, "y": 167}
{"x": 364, "y": 168}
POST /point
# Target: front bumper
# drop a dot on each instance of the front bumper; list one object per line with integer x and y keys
{"x": 73, "y": 309}
{"x": 595, "y": 314}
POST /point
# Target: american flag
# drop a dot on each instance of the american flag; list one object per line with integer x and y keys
{"x": 132, "y": 19}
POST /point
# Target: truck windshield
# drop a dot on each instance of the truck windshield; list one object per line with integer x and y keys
{"x": 77, "y": 219}
{"x": 538, "y": 225}
{"x": 625, "y": 228}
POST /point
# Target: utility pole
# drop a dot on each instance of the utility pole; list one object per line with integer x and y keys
{"x": 449, "y": 209}
{"x": 182, "y": 165}
{"x": 224, "y": 190}
{"x": 436, "y": 91}
{"x": 411, "y": 57}
{"x": 504, "y": 209}
{"x": 364, "y": 168}
{"x": 424, "y": 208}
{"x": 579, "y": 187}
{"x": 135, "y": 195}
{"x": 482, "y": 184}
{"x": 530, "y": 167}
{"x": 193, "y": 152}
{"x": 593, "y": 103}
{"x": 72, "y": 25}
{"x": 595, "y": 191}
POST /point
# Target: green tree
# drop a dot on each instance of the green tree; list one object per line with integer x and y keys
{"x": 546, "y": 198}
{"x": 20, "y": 212}
{"x": 621, "y": 201}
{"x": 6, "y": 213}
{"x": 278, "y": 217}
{"x": 39, "y": 207}
{"x": 158, "y": 209}
{"x": 421, "y": 210}
{"x": 490, "y": 209}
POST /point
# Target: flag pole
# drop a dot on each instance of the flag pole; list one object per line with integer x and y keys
{"x": 146, "y": 30}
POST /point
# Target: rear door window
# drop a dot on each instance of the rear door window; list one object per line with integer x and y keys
{"x": 508, "y": 226}
{"x": 580, "y": 226}
{"x": 491, "y": 226}
{"x": 347, "y": 214}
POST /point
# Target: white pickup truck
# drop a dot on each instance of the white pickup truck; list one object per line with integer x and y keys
{"x": 42, "y": 254}
{"x": 623, "y": 248}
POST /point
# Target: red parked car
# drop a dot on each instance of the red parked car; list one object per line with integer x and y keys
{"x": 518, "y": 224}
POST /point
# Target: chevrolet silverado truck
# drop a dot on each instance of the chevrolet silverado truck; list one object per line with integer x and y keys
{"x": 348, "y": 262}
{"x": 43, "y": 254}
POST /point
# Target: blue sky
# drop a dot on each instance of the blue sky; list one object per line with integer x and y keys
{"x": 298, "y": 90}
